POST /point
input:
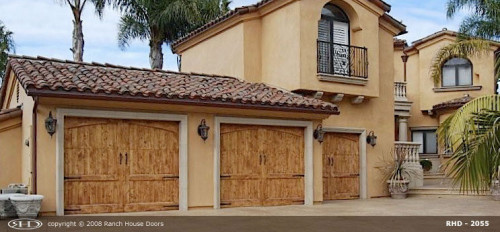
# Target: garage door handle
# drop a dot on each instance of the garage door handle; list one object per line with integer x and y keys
{"x": 299, "y": 175}
{"x": 225, "y": 176}
{"x": 126, "y": 158}
{"x": 72, "y": 177}
{"x": 121, "y": 156}
{"x": 170, "y": 177}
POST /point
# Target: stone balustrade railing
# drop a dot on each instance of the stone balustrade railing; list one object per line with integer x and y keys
{"x": 400, "y": 91}
{"x": 408, "y": 150}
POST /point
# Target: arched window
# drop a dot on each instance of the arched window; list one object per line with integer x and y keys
{"x": 457, "y": 72}
{"x": 333, "y": 41}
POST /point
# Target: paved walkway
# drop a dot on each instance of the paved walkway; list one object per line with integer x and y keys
{"x": 423, "y": 205}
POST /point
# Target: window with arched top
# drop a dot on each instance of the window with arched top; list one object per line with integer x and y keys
{"x": 457, "y": 72}
{"x": 335, "y": 53}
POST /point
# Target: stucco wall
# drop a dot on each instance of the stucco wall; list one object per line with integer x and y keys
{"x": 364, "y": 25}
{"x": 221, "y": 54}
{"x": 200, "y": 153}
{"x": 420, "y": 86}
{"x": 10, "y": 152}
{"x": 287, "y": 36}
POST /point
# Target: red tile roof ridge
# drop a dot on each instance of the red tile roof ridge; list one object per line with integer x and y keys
{"x": 108, "y": 65}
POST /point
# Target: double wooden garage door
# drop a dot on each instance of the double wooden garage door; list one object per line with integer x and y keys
{"x": 120, "y": 165}
{"x": 261, "y": 165}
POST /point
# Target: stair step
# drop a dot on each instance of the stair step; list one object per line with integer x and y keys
{"x": 441, "y": 190}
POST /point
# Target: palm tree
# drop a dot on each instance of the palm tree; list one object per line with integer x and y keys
{"x": 473, "y": 134}
{"x": 163, "y": 21}
{"x": 77, "y": 7}
{"x": 475, "y": 33}
{"x": 6, "y": 46}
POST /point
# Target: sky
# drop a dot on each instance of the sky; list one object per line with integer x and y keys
{"x": 44, "y": 27}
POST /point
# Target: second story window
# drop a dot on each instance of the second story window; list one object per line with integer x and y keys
{"x": 457, "y": 72}
{"x": 335, "y": 53}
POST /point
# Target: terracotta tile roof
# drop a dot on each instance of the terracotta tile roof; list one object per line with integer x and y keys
{"x": 51, "y": 77}
{"x": 452, "y": 104}
{"x": 254, "y": 7}
{"x": 437, "y": 34}
{"x": 7, "y": 114}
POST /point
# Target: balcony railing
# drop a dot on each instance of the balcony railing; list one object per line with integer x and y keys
{"x": 342, "y": 60}
{"x": 408, "y": 150}
{"x": 400, "y": 91}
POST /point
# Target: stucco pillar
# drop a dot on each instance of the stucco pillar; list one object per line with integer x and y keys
{"x": 403, "y": 128}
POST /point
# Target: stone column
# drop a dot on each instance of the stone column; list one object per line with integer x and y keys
{"x": 403, "y": 128}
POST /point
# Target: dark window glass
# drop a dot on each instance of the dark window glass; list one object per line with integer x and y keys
{"x": 427, "y": 139}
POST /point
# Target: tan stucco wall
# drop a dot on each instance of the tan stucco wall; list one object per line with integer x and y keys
{"x": 200, "y": 153}
{"x": 27, "y": 102}
{"x": 420, "y": 85}
{"x": 224, "y": 51}
{"x": 281, "y": 44}
{"x": 10, "y": 152}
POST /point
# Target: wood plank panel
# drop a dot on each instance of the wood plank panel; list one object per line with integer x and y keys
{"x": 92, "y": 172}
{"x": 240, "y": 169}
{"x": 152, "y": 166}
{"x": 283, "y": 150}
{"x": 340, "y": 166}
{"x": 116, "y": 165}
{"x": 261, "y": 165}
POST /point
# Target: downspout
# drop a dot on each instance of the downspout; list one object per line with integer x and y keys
{"x": 34, "y": 146}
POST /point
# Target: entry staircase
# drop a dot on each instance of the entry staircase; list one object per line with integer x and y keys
{"x": 439, "y": 184}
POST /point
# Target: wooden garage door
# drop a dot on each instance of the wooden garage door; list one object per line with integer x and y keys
{"x": 261, "y": 165}
{"x": 340, "y": 166}
{"x": 115, "y": 165}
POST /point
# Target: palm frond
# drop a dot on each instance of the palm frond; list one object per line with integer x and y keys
{"x": 473, "y": 132}
{"x": 462, "y": 49}
{"x": 129, "y": 28}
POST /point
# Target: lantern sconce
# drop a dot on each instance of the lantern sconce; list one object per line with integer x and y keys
{"x": 371, "y": 139}
{"x": 50, "y": 124}
{"x": 203, "y": 130}
{"x": 319, "y": 133}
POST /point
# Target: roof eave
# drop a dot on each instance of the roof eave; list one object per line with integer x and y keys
{"x": 176, "y": 101}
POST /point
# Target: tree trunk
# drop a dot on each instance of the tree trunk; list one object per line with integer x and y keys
{"x": 78, "y": 41}
{"x": 155, "y": 54}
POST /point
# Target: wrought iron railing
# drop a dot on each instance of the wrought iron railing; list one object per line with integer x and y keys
{"x": 342, "y": 60}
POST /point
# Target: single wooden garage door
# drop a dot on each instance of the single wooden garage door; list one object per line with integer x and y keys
{"x": 340, "y": 166}
{"x": 261, "y": 165}
{"x": 113, "y": 165}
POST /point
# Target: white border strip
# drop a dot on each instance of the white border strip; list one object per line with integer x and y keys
{"x": 363, "y": 193}
{"x": 183, "y": 136}
{"x": 308, "y": 150}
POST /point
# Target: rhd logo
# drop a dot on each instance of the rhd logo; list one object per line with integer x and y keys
{"x": 25, "y": 224}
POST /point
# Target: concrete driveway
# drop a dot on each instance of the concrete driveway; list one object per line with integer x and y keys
{"x": 432, "y": 205}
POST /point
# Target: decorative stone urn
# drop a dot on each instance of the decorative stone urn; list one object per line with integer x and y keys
{"x": 398, "y": 188}
{"x": 7, "y": 210}
{"x": 495, "y": 190}
{"x": 27, "y": 206}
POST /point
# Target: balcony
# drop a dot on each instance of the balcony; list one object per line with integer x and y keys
{"x": 342, "y": 63}
{"x": 410, "y": 152}
{"x": 402, "y": 105}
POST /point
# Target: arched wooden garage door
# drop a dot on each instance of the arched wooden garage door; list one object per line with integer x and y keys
{"x": 261, "y": 165}
{"x": 340, "y": 166}
{"x": 115, "y": 165}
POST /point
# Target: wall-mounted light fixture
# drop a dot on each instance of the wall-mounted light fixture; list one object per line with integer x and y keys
{"x": 203, "y": 130}
{"x": 371, "y": 139}
{"x": 319, "y": 133}
{"x": 50, "y": 124}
